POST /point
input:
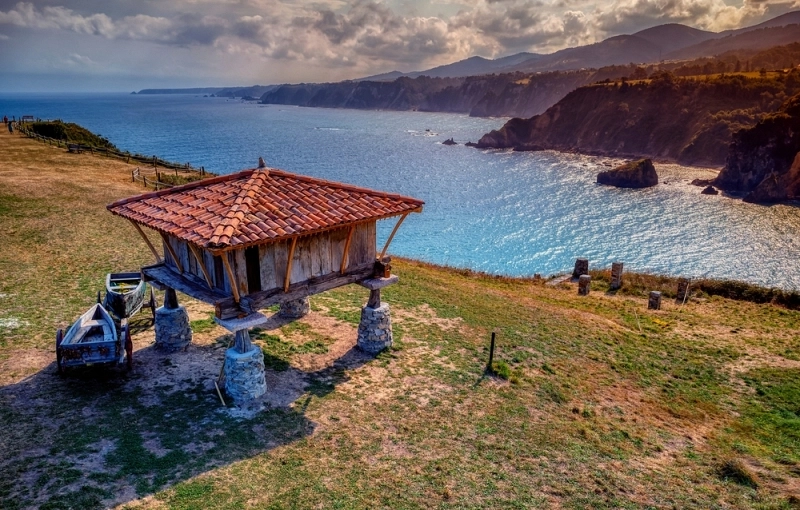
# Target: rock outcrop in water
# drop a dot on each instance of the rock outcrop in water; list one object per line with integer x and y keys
{"x": 634, "y": 174}
{"x": 763, "y": 161}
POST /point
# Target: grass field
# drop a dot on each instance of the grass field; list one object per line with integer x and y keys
{"x": 603, "y": 403}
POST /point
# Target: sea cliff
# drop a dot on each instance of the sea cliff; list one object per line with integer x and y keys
{"x": 503, "y": 95}
{"x": 684, "y": 120}
{"x": 763, "y": 160}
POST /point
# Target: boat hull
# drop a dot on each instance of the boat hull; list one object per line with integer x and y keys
{"x": 124, "y": 294}
{"x": 91, "y": 340}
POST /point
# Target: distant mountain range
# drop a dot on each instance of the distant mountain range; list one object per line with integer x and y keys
{"x": 660, "y": 43}
{"x": 664, "y": 42}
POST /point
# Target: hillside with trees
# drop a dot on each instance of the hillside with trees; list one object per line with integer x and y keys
{"x": 690, "y": 121}
{"x": 515, "y": 94}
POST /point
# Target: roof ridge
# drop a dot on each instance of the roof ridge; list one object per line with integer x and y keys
{"x": 229, "y": 225}
{"x": 182, "y": 187}
{"x": 345, "y": 186}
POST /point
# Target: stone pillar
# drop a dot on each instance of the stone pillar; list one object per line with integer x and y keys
{"x": 173, "y": 332}
{"x": 581, "y": 267}
{"x": 244, "y": 371}
{"x": 244, "y": 362}
{"x": 654, "y": 302}
{"x": 683, "y": 290}
{"x": 616, "y": 275}
{"x": 375, "y": 329}
{"x": 584, "y": 284}
{"x": 294, "y": 309}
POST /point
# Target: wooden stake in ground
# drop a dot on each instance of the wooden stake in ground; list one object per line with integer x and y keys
{"x": 491, "y": 355}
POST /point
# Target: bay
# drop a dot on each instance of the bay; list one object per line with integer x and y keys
{"x": 495, "y": 211}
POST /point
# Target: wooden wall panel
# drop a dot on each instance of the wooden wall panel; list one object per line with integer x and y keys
{"x": 269, "y": 278}
{"x": 281, "y": 255}
{"x": 321, "y": 255}
{"x": 239, "y": 270}
{"x": 208, "y": 258}
{"x": 167, "y": 257}
{"x": 336, "y": 241}
{"x": 362, "y": 247}
{"x": 301, "y": 264}
{"x": 182, "y": 251}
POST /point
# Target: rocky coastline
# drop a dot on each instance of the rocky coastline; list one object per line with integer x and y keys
{"x": 680, "y": 121}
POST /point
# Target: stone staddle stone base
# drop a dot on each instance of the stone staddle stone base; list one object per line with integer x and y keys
{"x": 375, "y": 329}
{"x": 294, "y": 309}
{"x": 173, "y": 332}
{"x": 244, "y": 374}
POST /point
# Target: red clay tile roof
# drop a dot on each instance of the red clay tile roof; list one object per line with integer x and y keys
{"x": 258, "y": 206}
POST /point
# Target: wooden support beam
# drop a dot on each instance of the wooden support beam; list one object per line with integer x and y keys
{"x": 347, "y": 248}
{"x": 172, "y": 253}
{"x": 227, "y": 308}
{"x": 242, "y": 341}
{"x": 187, "y": 284}
{"x": 234, "y": 284}
{"x": 374, "y": 298}
{"x": 146, "y": 240}
{"x": 289, "y": 265}
{"x": 391, "y": 236}
{"x": 199, "y": 258}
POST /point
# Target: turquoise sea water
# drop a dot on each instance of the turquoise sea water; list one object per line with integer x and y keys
{"x": 495, "y": 211}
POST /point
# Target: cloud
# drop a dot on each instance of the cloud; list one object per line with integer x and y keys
{"x": 182, "y": 30}
{"x": 625, "y": 16}
{"x": 76, "y": 60}
{"x": 518, "y": 26}
{"x": 371, "y": 34}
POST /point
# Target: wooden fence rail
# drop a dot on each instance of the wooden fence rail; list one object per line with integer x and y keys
{"x": 154, "y": 162}
{"x": 138, "y": 175}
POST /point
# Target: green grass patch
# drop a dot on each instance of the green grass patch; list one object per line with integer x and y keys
{"x": 203, "y": 325}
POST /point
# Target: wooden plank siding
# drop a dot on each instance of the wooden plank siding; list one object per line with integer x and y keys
{"x": 208, "y": 258}
{"x": 239, "y": 267}
{"x": 281, "y": 251}
{"x": 362, "y": 247}
{"x": 336, "y": 242}
{"x": 314, "y": 257}
{"x": 269, "y": 277}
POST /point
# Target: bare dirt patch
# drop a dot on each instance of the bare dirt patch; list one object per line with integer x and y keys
{"x": 425, "y": 315}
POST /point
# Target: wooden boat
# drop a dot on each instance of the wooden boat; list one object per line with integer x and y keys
{"x": 93, "y": 339}
{"x": 125, "y": 295}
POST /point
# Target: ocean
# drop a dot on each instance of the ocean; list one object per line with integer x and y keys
{"x": 495, "y": 211}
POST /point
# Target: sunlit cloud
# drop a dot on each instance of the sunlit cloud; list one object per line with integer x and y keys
{"x": 369, "y": 35}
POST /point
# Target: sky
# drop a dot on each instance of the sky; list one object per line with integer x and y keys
{"x": 114, "y": 45}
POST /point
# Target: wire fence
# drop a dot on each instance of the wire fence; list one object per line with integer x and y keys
{"x": 150, "y": 175}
